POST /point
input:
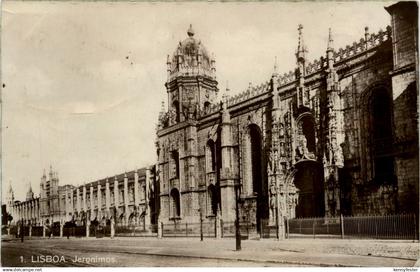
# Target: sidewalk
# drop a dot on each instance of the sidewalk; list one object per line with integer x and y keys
{"x": 311, "y": 252}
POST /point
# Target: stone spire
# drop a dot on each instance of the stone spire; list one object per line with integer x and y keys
{"x": 330, "y": 50}
{"x": 302, "y": 92}
{"x": 275, "y": 68}
{"x": 274, "y": 87}
{"x": 225, "y": 96}
{"x": 29, "y": 194}
{"x": 225, "y": 99}
{"x": 330, "y": 46}
{"x": 301, "y": 49}
{"x": 190, "y": 31}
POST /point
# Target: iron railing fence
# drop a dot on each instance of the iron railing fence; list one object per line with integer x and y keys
{"x": 318, "y": 226}
{"x": 37, "y": 231}
{"x": 133, "y": 230}
{"x": 403, "y": 226}
{"x": 193, "y": 229}
{"x": 247, "y": 229}
{"x": 398, "y": 226}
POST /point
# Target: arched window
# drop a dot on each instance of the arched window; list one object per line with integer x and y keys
{"x": 213, "y": 197}
{"x": 175, "y": 164}
{"x": 176, "y": 206}
{"x": 176, "y": 111}
{"x": 306, "y": 131}
{"x": 381, "y": 131}
{"x": 256, "y": 158}
{"x": 206, "y": 107}
{"x": 211, "y": 155}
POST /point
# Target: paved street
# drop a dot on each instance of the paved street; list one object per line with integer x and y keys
{"x": 191, "y": 252}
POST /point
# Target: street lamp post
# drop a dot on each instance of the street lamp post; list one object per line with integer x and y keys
{"x": 237, "y": 227}
{"x": 201, "y": 224}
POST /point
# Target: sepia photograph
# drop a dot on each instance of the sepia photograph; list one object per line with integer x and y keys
{"x": 209, "y": 134}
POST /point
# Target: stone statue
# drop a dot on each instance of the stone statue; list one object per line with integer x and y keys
{"x": 281, "y": 130}
{"x": 273, "y": 192}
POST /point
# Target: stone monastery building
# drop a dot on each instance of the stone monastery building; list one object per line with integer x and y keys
{"x": 336, "y": 135}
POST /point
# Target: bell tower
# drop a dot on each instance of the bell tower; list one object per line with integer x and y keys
{"x": 191, "y": 83}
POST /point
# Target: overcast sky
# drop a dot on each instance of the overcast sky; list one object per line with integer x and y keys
{"x": 84, "y": 81}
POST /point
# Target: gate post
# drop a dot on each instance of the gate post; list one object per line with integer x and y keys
{"x": 160, "y": 229}
{"x": 287, "y": 227}
{"x": 342, "y": 226}
{"x": 112, "y": 228}
{"x": 201, "y": 225}
{"x": 30, "y": 230}
{"x": 87, "y": 228}
{"x": 218, "y": 227}
{"x": 313, "y": 227}
{"x": 61, "y": 229}
{"x": 43, "y": 231}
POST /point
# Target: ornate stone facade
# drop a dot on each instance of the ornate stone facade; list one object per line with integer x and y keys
{"x": 129, "y": 197}
{"x": 337, "y": 135}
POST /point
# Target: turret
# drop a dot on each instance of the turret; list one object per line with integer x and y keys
{"x": 302, "y": 93}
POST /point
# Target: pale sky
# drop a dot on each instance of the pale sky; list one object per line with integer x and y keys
{"x": 84, "y": 81}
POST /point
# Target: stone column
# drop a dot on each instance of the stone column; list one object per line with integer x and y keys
{"x": 136, "y": 189}
{"x": 72, "y": 202}
{"x": 112, "y": 228}
{"x": 227, "y": 176}
{"x": 84, "y": 199}
{"x": 147, "y": 198}
{"x": 30, "y": 230}
{"x": 126, "y": 199}
{"x": 99, "y": 194}
{"x": 116, "y": 197}
{"x": 67, "y": 204}
{"x": 43, "y": 230}
{"x": 160, "y": 230}
{"x": 24, "y": 211}
{"x": 92, "y": 204}
{"x": 107, "y": 197}
{"x": 61, "y": 228}
{"x": 218, "y": 227}
{"x": 78, "y": 206}
{"x": 87, "y": 228}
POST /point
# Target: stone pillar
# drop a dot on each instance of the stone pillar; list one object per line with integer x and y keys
{"x": 30, "y": 230}
{"x": 107, "y": 197}
{"x": 218, "y": 228}
{"x": 61, "y": 228}
{"x": 116, "y": 197}
{"x": 227, "y": 177}
{"x": 99, "y": 194}
{"x": 78, "y": 206}
{"x": 43, "y": 230}
{"x": 24, "y": 211}
{"x": 136, "y": 189}
{"x": 160, "y": 229}
{"x": 67, "y": 204}
{"x": 92, "y": 204}
{"x": 84, "y": 199}
{"x": 72, "y": 208}
{"x": 147, "y": 198}
{"x": 87, "y": 228}
{"x": 112, "y": 228}
{"x": 126, "y": 214}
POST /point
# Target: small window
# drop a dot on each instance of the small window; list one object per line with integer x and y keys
{"x": 176, "y": 206}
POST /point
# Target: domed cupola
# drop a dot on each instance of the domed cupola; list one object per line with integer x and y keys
{"x": 191, "y": 84}
{"x": 191, "y": 58}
